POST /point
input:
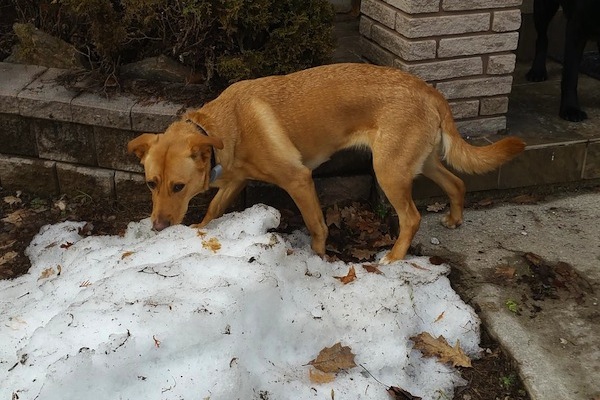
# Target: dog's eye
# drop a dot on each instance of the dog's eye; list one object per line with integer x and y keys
{"x": 178, "y": 187}
{"x": 151, "y": 185}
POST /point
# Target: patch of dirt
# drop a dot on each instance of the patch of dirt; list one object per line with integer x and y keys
{"x": 357, "y": 234}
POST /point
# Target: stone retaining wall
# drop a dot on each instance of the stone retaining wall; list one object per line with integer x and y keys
{"x": 465, "y": 48}
{"x": 55, "y": 141}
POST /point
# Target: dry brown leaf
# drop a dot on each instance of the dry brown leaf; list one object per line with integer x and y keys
{"x": 505, "y": 271}
{"x": 16, "y": 217}
{"x": 85, "y": 283}
{"x": 66, "y": 245}
{"x": 372, "y": 268}
{"x": 436, "y": 207}
{"x": 48, "y": 272}
{"x": 401, "y": 394}
{"x": 351, "y": 276}
{"x": 432, "y": 347}
{"x": 417, "y": 266}
{"x": 7, "y": 245}
{"x": 485, "y": 202}
{"x": 334, "y": 359}
{"x": 383, "y": 241}
{"x": 12, "y": 200}
{"x": 363, "y": 254}
{"x": 440, "y": 317}
{"x": 8, "y": 257}
{"x": 436, "y": 260}
{"x": 333, "y": 216}
{"x": 320, "y": 377}
{"x": 212, "y": 244}
{"x": 127, "y": 254}
{"x": 525, "y": 199}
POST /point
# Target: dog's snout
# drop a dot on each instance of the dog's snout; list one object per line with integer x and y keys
{"x": 160, "y": 224}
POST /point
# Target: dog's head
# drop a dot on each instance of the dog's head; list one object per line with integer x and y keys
{"x": 177, "y": 166}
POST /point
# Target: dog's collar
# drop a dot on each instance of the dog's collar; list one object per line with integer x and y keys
{"x": 215, "y": 169}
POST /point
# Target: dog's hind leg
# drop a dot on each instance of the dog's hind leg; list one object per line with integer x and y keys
{"x": 451, "y": 184}
{"x": 543, "y": 11}
{"x": 396, "y": 183}
{"x": 223, "y": 199}
{"x": 575, "y": 41}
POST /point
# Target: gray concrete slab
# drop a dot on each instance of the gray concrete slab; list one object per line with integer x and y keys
{"x": 556, "y": 347}
{"x": 13, "y": 79}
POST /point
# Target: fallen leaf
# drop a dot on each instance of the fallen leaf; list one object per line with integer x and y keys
{"x": 485, "y": 202}
{"x": 334, "y": 359}
{"x": 66, "y": 245}
{"x": 156, "y": 341}
{"x": 320, "y": 377}
{"x": 439, "y": 317}
{"x": 525, "y": 199}
{"x": 383, "y": 241}
{"x": 8, "y": 257}
{"x": 16, "y": 217}
{"x": 85, "y": 283}
{"x": 435, "y": 260}
{"x": 351, "y": 276}
{"x": 333, "y": 216}
{"x": 363, "y": 254}
{"x": 212, "y": 244}
{"x": 401, "y": 394}
{"x": 61, "y": 204}
{"x": 432, "y": 347}
{"x": 201, "y": 233}
{"x": 7, "y": 245}
{"x": 372, "y": 268}
{"x": 127, "y": 254}
{"x": 12, "y": 200}
{"x": 505, "y": 271}
{"x": 48, "y": 272}
{"x": 417, "y": 266}
{"x": 86, "y": 230}
{"x": 436, "y": 207}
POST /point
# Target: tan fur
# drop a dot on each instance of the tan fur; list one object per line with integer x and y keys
{"x": 277, "y": 129}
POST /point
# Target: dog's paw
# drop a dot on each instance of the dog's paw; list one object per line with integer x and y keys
{"x": 535, "y": 75}
{"x": 451, "y": 223}
{"x": 573, "y": 114}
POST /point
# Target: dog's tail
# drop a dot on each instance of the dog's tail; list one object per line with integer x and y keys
{"x": 474, "y": 159}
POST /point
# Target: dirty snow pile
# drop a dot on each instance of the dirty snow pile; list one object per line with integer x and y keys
{"x": 228, "y": 312}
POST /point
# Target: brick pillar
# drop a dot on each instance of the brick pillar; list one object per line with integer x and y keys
{"x": 465, "y": 48}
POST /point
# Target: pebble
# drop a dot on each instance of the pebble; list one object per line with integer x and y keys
{"x": 435, "y": 241}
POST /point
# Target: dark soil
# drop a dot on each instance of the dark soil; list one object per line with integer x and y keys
{"x": 361, "y": 233}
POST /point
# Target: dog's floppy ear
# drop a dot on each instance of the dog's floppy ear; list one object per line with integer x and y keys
{"x": 140, "y": 145}
{"x": 200, "y": 145}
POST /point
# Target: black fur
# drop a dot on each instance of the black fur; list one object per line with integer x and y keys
{"x": 583, "y": 24}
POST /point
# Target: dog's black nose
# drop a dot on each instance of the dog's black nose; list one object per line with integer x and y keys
{"x": 159, "y": 225}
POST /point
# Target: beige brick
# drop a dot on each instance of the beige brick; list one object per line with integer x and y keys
{"x": 379, "y": 11}
{"x": 506, "y": 21}
{"x": 416, "y": 27}
{"x": 410, "y": 50}
{"x": 475, "y": 87}
{"x": 365, "y": 25}
{"x": 375, "y": 53}
{"x": 465, "y": 109}
{"x": 416, "y": 7}
{"x": 481, "y": 44}
{"x": 481, "y": 126}
{"x": 494, "y": 105}
{"x": 459, "y": 5}
{"x": 438, "y": 70}
{"x": 501, "y": 64}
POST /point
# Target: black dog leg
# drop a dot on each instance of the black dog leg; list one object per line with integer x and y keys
{"x": 574, "y": 45}
{"x": 543, "y": 11}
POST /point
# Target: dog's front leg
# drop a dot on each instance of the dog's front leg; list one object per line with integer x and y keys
{"x": 301, "y": 187}
{"x": 575, "y": 41}
{"x": 223, "y": 199}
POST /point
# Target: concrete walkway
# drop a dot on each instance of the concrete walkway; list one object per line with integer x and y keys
{"x": 555, "y": 342}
